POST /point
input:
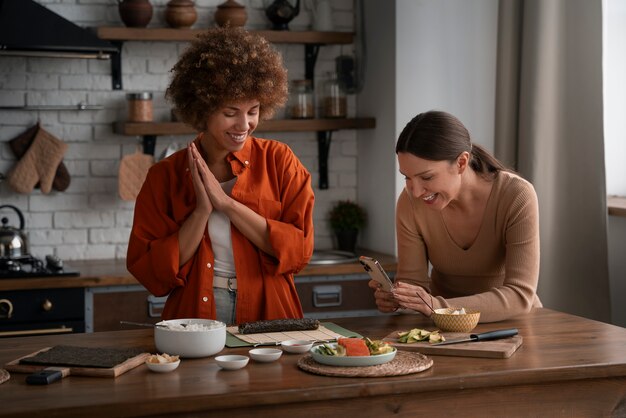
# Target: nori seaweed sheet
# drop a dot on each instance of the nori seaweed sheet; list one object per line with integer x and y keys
{"x": 279, "y": 325}
{"x": 72, "y": 356}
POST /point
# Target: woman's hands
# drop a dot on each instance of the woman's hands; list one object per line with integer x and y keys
{"x": 209, "y": 193}
{"x": 413, "y": 297}
{"x": 385, "y": 301}
{"x": 403, "y": 296}
{"x": 210, "y": 196}
{"x": 203, "y": 201}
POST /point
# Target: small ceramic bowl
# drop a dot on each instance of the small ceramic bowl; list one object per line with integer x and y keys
{"x": 232, "y": 362}
{"x": 163, "y": 367}
{"x": 265, "y": 355}
{"x": 296, "y": 346}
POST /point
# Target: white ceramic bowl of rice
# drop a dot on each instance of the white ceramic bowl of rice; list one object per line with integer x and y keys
{"x": 190, "y": 337}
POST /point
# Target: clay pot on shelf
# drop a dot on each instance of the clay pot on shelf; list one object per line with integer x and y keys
{"x": 135, "y": 13}
{"x": 180, "y": 14}
{"x": 231, "y": 13}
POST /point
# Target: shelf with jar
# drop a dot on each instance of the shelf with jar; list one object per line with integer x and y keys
{"x": 312, "y": 41}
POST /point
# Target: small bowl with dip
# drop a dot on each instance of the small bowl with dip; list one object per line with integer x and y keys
{"x": 296, "y": 346}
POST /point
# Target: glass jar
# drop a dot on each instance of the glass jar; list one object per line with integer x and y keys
{"x": 301, "y": 104}
{"x": 139, "y": 107}
{"x": 334, "y": 103}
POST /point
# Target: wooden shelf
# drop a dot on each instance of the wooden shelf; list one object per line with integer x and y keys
{"x": 617, "y": 206}
{"x": 276, "y": 125}
{"x": 312, "y": 42}
{"x": 169, "y": 34}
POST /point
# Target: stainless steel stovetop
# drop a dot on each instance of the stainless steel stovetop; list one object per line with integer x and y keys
{"x": 29, "y": 266}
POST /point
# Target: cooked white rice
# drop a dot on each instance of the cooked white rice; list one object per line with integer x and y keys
{"x": 195, "y": 327}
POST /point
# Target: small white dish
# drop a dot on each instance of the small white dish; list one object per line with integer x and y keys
{"x": 232, "y": 362}
{"x": 163, "y": 367}
{"x": 265, "y": 354}
{"x": 296, "y": 346}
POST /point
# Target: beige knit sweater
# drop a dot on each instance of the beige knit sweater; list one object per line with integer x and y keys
{"x": 497, "y": 275}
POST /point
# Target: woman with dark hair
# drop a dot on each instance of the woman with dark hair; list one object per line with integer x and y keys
{"x": 467, "y": 227}
{"x": 222, "y": 226}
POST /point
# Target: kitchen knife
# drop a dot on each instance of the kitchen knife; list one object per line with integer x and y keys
{"x": 485, "y": 336}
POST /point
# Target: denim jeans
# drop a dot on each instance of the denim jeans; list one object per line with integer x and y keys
{"x": 225, "y": 304}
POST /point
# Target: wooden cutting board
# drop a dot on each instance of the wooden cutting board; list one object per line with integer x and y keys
{"x": 85, "y": 370}
{"x": 503, "y": 348}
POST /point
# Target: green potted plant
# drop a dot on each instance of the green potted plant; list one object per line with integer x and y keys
{"x": 346, "y": 218}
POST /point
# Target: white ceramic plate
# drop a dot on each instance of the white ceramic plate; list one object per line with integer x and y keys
{"x": 353, "y": 361}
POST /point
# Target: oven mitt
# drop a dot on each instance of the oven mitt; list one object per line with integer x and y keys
{"x": 38, "y": 164}
{"x": 132, "y": 174}
{"x": 19, "y": 145}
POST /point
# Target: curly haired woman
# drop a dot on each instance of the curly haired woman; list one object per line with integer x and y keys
{"x": 222, "y": 226}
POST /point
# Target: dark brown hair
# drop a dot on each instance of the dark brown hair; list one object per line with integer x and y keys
{"x": 225, "y": 65}
{"x": 439, "y": 136}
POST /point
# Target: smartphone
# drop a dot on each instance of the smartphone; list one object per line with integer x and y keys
{"x": 376, "y": 272}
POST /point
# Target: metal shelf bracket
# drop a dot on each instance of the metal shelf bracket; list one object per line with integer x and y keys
{"x": 116, "y": 66}
{"x": 323, "y": 149}
{"x": 149, "y": 144}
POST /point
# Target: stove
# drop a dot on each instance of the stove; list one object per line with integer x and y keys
{"x": 29, "y": 266}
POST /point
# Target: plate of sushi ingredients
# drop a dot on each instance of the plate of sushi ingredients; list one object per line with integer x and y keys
{"x": 351, "y": 352}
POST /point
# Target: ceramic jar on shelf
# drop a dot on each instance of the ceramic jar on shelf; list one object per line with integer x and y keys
{"x": 231, "y": 13}
{"x": 135, "y": 13}
{"x": 180, "y": 14}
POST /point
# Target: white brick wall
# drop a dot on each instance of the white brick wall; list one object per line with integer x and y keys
{"x": 89, "y": 220}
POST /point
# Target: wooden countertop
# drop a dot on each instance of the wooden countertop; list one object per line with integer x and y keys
{"x": 97, "y": 273}
{"x": 566, "y": 366}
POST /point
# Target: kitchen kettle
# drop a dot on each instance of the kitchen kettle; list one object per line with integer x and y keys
{"x": 13, "y": 243}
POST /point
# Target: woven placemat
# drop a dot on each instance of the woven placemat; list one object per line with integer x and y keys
{"x": 4, "y": 376}
{"x": 403, "y": 363}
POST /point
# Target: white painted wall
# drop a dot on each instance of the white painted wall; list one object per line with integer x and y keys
{"x": 422, "y": 55}
{"x": 614, "y": 55}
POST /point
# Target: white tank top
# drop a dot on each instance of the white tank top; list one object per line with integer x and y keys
{"x": 219, "y": 232}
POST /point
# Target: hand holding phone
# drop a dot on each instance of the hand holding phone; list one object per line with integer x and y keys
{"x": 376, "y": 272}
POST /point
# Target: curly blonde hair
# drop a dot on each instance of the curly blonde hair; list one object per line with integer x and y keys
{"x": 226, "y": 65}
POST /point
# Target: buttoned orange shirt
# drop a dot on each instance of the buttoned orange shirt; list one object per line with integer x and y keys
{"x": 272, "y": 182}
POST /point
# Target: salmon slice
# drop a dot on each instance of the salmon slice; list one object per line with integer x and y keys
{"x": 354, "y": 346}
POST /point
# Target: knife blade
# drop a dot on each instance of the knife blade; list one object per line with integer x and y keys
{"x": 485, "y": 336}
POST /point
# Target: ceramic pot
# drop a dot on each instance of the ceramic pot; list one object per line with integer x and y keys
{"x": 281, "y": 12}
{"x": 346, "y": 239}
{"x": 180, "y": 14}
{"x": 231, "y": 13}
{"x": 135, "y": 13}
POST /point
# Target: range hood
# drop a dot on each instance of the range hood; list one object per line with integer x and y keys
{"x": 30, "y": 29}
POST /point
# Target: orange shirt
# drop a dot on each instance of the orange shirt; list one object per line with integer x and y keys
{"x": 272, "y": 182}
